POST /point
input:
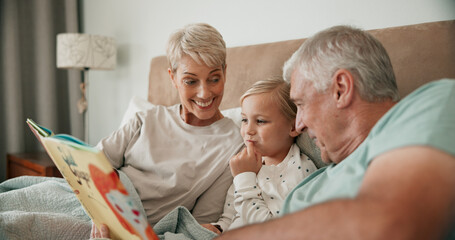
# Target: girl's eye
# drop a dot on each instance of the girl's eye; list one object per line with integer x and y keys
{"x": 260, "y": 121}
{"x": 244, "y": 120}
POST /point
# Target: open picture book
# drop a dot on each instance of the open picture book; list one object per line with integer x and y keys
{"x": 96, "y": 184}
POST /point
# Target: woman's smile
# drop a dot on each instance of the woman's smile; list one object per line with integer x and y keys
{"x": 204, "y": 105}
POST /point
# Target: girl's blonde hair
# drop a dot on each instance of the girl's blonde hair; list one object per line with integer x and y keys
{"x": 202, "y": 42}
{"x": 279, "y": 90}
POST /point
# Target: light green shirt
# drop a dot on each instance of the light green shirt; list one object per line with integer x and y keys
{"x": 425, "y": 117}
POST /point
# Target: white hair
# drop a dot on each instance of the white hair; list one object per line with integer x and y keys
{"x": 345, "y": 47}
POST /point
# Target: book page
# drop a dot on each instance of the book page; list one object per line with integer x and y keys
{"x": 98, "y": 188}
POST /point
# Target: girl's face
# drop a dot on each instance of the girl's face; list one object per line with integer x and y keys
{"x": 263, "y": 124}
{"x": 200, "y": 90}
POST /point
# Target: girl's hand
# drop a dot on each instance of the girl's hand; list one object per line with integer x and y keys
{"x": 246, "y": 160}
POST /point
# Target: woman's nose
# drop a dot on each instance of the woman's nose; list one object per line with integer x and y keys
{"x": 203, "y": 91}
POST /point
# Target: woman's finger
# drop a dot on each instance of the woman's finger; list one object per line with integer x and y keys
{"x": 94, "y": 233}
{"x": 105, "y": 231}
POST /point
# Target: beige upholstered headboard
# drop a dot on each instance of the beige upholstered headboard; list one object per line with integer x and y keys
{"x": 419, "y": 53}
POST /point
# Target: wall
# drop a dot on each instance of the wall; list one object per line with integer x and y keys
{"x": 141, "y": 29}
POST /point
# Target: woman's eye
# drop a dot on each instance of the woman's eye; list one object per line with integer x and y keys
{"x": 260, "y": 121}
{"x": 189, "y": 82}
{"x": 214, "y": 80}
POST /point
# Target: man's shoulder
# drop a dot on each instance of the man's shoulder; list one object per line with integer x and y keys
{"x": 430, "y": 99}
{"x": 424, "y": 118}
{"x": 438, "y": 86}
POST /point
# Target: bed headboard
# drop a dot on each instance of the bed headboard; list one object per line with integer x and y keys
{"x": 420, "y": 53}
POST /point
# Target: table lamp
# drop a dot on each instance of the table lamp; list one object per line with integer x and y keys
{"x": 85, "y": 52}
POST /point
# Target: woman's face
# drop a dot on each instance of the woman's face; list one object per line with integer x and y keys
{"x": 200, "y": 90}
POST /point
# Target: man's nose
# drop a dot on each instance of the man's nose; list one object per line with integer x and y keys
{"x": 299, "y": 123}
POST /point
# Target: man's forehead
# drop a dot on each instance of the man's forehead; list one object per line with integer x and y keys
{"x": 298, "y": 84}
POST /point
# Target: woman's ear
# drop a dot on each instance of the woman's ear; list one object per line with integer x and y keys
{"x": 172, "y": 77}
{"x": 293, "y": 133}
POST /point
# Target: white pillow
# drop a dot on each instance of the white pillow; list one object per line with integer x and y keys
{"x": 136, "y": 104}
{"x": 235, "y": 114}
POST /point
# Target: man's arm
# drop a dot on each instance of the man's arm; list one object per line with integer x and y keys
{"x": 407, "y": 193}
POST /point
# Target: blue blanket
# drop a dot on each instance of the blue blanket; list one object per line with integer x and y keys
{"x": 46, "y": 208}
{"x": 179, "y": 224}
{"x": 41, "y": 208}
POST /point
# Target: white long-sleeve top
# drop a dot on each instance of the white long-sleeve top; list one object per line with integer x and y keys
{"x": 256, "y": 198}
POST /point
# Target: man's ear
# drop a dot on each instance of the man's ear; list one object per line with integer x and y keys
{"x": 343, "y": 90}
{"x": 172, "y": 77}
{"x": 293, "y": 133}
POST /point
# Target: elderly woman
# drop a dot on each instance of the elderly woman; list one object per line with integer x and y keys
{"x": 178, "y": 155}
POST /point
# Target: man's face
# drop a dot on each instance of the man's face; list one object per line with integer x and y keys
{"x": 316, "y": 113}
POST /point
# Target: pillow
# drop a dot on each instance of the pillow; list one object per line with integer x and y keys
{"x": 136, "y": 104}
{"x": 235, "y": 114}
{"x": 309, "y": 148}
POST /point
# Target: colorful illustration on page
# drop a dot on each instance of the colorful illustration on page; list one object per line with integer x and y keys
{"x": 121, "y": 203}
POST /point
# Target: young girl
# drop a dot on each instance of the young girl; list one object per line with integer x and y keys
{"x": 271, "y": 165}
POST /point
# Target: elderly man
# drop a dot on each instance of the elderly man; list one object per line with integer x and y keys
{"x": 393, "y": 162}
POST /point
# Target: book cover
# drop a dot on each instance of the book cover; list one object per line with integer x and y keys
{"x": 95, "y": 183}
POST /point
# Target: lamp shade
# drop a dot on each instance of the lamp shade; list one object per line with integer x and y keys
{"x": 80, "y": 51}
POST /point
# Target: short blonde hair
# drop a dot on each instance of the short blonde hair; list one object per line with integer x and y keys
{"x": 279, "y": 90}
{"x": 202, "y": 42}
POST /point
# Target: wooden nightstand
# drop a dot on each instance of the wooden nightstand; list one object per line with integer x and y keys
{"x": 32, "y": 164}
